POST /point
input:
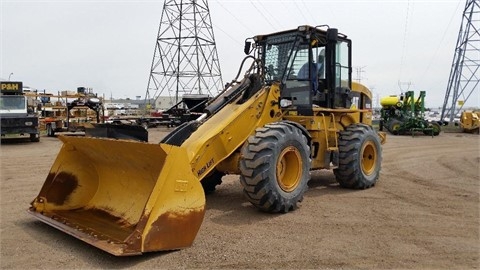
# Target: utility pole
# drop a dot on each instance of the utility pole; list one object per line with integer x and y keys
{"x": 359, "y": 71}
{"x": 465, "y": 72}
{"x": 185, "y": 60}
{"x": 403, "y": 84}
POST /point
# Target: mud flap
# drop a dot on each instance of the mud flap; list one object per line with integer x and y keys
{"x": 124, "y": 197}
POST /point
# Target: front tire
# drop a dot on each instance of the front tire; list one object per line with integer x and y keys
{"x": 50, "y": 131}
{"x": 275, "y": 167}
{"x": 360, "y": 157}
{"x": 34, "y": 137}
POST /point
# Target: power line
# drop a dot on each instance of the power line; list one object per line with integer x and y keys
{"x": 235, "y": 39}
{"x": 267, "y": 12}
{"x": 439, "y": 44}
{"x": 309, "y": 13}
{"x": 404, "y": 47}
{"x": 301, "y": 12}
{"x": 262, "y": 15}
{"x": 235, "y": 17}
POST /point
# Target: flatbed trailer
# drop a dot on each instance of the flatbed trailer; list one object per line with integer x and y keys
{"x": 72, "y": 113}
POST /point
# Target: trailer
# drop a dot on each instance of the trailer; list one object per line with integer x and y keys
{"x": 135, "y": 126}
{"x": 71, "y": 112}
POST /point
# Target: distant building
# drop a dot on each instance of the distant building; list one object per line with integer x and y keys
{"x": 164, "y": 103}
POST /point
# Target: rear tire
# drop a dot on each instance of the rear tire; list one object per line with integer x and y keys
{"x": 275, "y": 167}
{"x": 395, "y": 127}
{"x": 360, "y": 157}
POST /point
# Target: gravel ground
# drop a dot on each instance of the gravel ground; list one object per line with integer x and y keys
{"x": 422, "y": 214}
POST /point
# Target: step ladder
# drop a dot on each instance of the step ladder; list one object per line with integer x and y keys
{"x": 331, "y": 129}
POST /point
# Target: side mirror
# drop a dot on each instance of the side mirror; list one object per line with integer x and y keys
{"x": 246, "y": 49}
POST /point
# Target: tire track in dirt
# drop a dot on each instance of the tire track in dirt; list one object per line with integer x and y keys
{"x": 423, "y": 213}
{"x": 423, "y": 174}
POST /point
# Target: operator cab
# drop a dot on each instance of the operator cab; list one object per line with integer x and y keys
{"x": 313, "y": 65}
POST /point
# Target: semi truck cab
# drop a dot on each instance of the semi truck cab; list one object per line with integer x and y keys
{"x": 16, "y": 117}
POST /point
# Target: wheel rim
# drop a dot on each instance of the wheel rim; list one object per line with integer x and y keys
{"x": 396, "y": 127}
{"x": 369, "y": 158}
{"x": 289, "y": 170}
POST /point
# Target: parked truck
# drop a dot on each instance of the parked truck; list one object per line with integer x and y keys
{"x": 17, "y": 117}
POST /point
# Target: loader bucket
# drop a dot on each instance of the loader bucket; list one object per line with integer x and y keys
{"x": 124, "y": 197}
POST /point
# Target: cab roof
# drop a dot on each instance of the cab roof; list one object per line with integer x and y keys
{"x": 307, "y": 29}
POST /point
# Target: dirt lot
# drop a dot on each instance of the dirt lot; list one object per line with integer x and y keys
{"x": 423, "y": 213}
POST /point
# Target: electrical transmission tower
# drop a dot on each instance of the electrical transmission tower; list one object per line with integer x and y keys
{"x": 465, "y": 73}
{"x": 185, "y": 60}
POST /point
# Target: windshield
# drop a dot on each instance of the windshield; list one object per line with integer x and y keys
{"x": 277, "y": 53}
{"x": 13, "y": 104}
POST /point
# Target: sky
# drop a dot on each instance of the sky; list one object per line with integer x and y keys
{"x": 108, "y": 45}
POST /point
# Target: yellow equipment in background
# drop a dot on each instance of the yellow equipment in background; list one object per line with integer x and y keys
{"x": 391, "y": 101}
{"x": 274, "y": 126}
{"x": 470, "y": 121}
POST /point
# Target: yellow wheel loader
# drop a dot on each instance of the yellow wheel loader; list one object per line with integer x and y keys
{"x": 296, "y": 109}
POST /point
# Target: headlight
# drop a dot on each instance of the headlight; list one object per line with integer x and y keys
{"x": 285, "y": 103}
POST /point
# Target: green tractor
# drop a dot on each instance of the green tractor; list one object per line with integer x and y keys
{"x": 403, "y": 114}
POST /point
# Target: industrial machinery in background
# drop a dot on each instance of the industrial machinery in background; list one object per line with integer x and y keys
{"x": 72, "y": 112}
{"x": 283, "y": 119}
{"x": 136, "y": 127}
{"x": 189, "y": 108}
{"x": 404, "y": 114}
{"x": 470, "y": 121}
{"x": 17, "y": 115}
